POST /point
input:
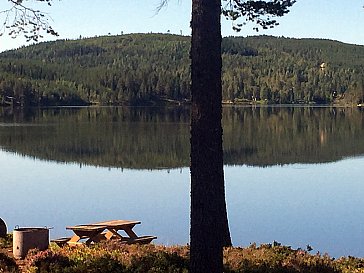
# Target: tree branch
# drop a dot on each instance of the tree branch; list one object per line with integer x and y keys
{"x": 259, "y": 12}
{"x": 21, "y": 19}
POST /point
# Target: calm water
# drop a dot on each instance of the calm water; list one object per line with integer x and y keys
{"x": 293, "y": 175}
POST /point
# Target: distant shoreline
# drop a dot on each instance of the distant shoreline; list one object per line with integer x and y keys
{"x": 170, "y": 102}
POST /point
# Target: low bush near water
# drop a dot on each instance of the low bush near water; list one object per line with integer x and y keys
{"x": 7, "y": 264}
{"x": 112, "y": 257}
{"x": 108, "y": 258}
{"x": 6, "y": 242}
{"x": 276, "y": 259}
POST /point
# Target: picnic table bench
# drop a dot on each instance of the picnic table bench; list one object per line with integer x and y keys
{"x": 107, "y": 230}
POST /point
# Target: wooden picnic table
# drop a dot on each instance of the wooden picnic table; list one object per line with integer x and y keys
{"x": 107, "y": 230}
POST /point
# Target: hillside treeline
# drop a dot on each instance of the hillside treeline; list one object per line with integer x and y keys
{"x": 138, "y": 69}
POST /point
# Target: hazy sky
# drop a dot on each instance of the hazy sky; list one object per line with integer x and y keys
{"x": 341, "y": 20}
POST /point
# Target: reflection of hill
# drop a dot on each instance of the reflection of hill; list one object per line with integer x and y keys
{"x": 270, "y": 136}
{"x": 115, "y": 137}
{"x": 149, "y": 138}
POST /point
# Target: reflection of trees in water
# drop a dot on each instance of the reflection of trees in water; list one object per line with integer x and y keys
{"x": 148, "y": 138}
{"x": 117, "y": 137}
{"x": 276, "y": 135}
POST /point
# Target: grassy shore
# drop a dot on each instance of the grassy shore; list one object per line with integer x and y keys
{"x": 113, "y": 257}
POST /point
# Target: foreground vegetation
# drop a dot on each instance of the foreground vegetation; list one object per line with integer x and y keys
{"x": 112, "y": 257}
{"x": 139, "y": 69}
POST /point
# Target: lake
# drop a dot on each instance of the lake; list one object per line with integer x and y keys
{"x": 293, "y": 174}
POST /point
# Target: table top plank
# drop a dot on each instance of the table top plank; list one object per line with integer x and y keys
{"x": 105, "y": 225}
{"x": 87, "y": 227}
{"x": 116, "y": 223}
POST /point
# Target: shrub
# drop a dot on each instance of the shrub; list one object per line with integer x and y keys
{"x": 351, "y": 264}
{"x": 117, "y": 258}
{"x": 46, "y": 261}
{"x": 6, "y": 242}
{"x": 276, "y": 259}
{"x": 7, "y": 264}
{"x": 159, "y": 262}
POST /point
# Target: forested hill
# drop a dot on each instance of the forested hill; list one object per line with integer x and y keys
{"x": 153, "y": 68}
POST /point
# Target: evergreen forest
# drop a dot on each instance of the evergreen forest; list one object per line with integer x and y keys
{"x": 149, "y": 69}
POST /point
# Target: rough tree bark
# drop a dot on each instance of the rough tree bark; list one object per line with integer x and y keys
{"x": 209, "y": 223}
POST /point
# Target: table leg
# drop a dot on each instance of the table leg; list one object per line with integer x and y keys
{"x": 95, "y": 238}
{"x": 90, "y": 237}
{"x": 130, "y": 232}
{"x": 113, "y": 233}
{"x": 74, "y": 239}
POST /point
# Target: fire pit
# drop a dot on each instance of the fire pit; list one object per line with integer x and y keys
{"x": 28, "y": 238}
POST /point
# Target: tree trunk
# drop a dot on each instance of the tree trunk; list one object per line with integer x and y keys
{"x": 209, "y": 224}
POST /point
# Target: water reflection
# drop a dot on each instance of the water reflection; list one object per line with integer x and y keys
{"x": 152, "y": 138}
{"x": 283, "y": 135}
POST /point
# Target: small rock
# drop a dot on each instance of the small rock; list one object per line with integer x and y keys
{"x": 3, "y": 229}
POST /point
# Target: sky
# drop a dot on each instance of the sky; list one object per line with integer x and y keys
{"x": 341, "y": 20}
